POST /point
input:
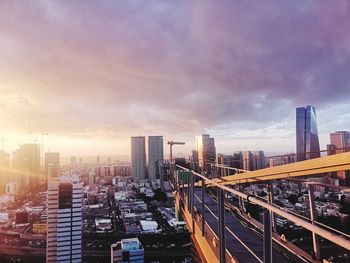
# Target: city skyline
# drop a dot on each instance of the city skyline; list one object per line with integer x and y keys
{"x": 174, "y": 131}
{"x": 170, "y": 68}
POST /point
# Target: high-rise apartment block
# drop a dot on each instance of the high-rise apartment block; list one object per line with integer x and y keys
{"x": 127, "y": 251}
{"x": 340, "y": 142}
{"x": 64, "y": 220}
{"x": 206, "y": 151}
{"x": 26, "y": 162}
{"x": 253, "y": 160}
{"x": 259, "y": 160}
{"x": 52, "y": 164}
{"x": 247, "y": 161}
{"x": 307, "y": 141}
{"x": 281, "y": 160}
{"x": 138, "y": 157}
{"x": 155, "y": 155}
{"x": 4, "y": 172}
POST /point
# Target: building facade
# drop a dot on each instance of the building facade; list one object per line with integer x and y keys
{"x": 155, "y": 155}
{"x": 138, "y": 157}
{"x": 52, "y": 164}
{"x": 127, "y": 251}
{"x": 5, "y": 177}
{"x": 340, "y": 142}
{"x": 248, "y": 163}
{"x": 206, "y": 151}
{"x": 26, "y": 163}
{"x": 64, "y": 220}
{"x": 259, "y": 160}
{"x": 307, "y": 142}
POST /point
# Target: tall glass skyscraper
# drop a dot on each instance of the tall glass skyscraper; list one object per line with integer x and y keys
{"x": 155, "y": 155}
{"x": 138, "y": 157}
{"x": 308, "y": 145}
{"x": 206, "y": 151}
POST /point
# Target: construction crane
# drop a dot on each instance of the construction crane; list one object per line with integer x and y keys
{"x": 171, "y": 143}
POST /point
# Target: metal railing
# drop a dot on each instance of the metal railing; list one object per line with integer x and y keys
{"x": 186, "y": 190}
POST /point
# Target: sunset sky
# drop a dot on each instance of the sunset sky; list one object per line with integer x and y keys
{"x": 91, "y": 74}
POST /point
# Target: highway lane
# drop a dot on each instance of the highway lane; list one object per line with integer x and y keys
{"x": 251, "y": 240}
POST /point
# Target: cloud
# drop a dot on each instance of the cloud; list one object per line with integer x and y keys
{"x": 128, "y": 67}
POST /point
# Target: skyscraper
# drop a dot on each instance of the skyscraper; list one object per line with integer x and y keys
{"x": 26, "y": 162}
{"x": 308, "y": 145}
{"x": 138, "y": 157}
{"x": 52, "y": 164}
{"x": 64, "y": 220}
{"x": 155, "y": 155}
{"x": 4, "y": 170}
{"x": 206, "y": 151}
{"x": 259, "y": 160}
{"x": 340, "y": 141}
{"x": 248, "y": 163}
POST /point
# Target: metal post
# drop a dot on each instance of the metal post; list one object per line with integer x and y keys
{"x": 240, "y": 199}
{"x": 270, "y": 195}
{"x": 313, "y": 217}
{"x": 161, "y": 174}
{"x": 189, "y": 192}
{"x": 267, "y": 237}
{"x": 192, "y": 176}
{"x": 222, "y": 228}
{"x": 181, "y": 190}
{"x": 203, "y": 207}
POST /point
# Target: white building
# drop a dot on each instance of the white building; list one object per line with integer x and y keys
{"x": 64, "y": 220}
{"x": 149, "y": 226}
{"x": 155, "y": 155}
{"x": 138, "y": 157}
{"x": 127, "y": 250}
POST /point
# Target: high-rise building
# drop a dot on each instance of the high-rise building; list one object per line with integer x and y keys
{"x": 4, "y": 170}
{"x": 238, "y": 160}
{"x": 26, "y": 163}
{"x": 248, "y": 163}
{"x": 340, "y": 142}
{"x": 206, "y": 151}
{"x": 122, "y": 169}
{"x": 127, "y": 250}
{"x": 308, "y": 145}
{"x": 259, "y": 160}
{"x": 138, "y": 157}
{"x": 281, "y": 160}
{"x": 107, "y": 171}
{"x": 155, "y": 155}
{"x": 98, "y": 171}
{"x": 64, "y": 220}
{"x": 52, "y": 164}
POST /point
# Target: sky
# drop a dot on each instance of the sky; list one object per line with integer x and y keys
{"x": 90, "y": 74}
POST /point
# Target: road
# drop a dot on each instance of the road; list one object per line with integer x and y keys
{"x": 252, "y": 241}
